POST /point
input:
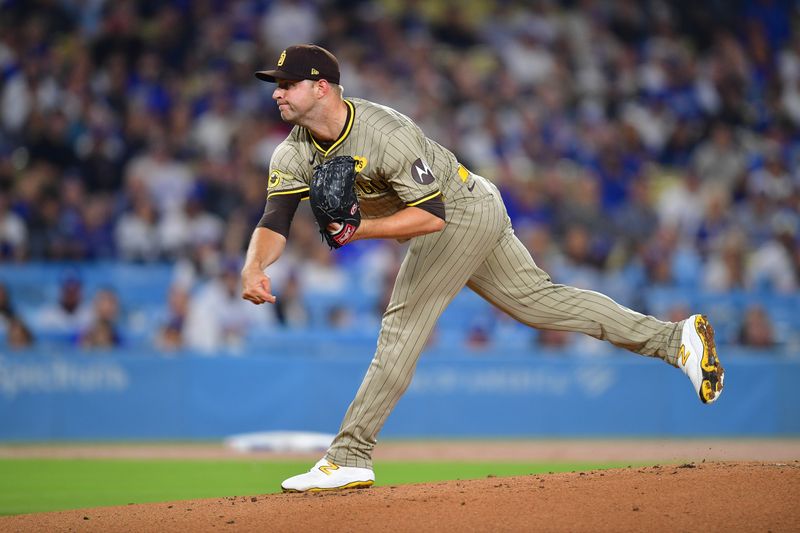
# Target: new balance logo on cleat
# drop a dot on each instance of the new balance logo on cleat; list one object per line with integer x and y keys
{"x": 328, "y": 468}
{"x": 683, "y": 354}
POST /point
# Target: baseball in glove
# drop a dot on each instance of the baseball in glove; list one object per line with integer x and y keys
{"x": 334, "y": 201}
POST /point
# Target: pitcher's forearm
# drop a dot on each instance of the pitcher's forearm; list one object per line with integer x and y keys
{"x": 406, "y": 223}
{"x": 265, "y": 247}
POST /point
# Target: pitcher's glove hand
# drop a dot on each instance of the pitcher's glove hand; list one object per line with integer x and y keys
{"x": 334, "y": 201}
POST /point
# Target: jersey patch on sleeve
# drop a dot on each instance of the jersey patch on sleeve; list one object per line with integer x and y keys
{"x": 275, "y": 178}
{"x": 421, "y": 172}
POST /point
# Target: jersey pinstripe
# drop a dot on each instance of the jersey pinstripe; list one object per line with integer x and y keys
{"x": 398, "y": 165}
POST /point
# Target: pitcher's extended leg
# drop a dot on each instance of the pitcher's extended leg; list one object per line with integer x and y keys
{"x": 510, "y": 280}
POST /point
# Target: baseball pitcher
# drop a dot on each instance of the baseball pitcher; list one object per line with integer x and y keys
{"x": 371, "y": 173}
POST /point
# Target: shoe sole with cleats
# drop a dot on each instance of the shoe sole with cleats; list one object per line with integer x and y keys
{"x": 710, "y": 366}
{"x": 353, "y": 485}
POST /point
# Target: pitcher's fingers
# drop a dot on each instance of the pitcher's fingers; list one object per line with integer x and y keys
{"x": 252, "y": 298}
{"x": 265, "y": 291}
{"x": 257, "y": 294}
{"x": 258, "y": 290}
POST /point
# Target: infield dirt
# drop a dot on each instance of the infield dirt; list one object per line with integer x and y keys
{"x": 702, "y": 495}
{"x": 689, "y": 497}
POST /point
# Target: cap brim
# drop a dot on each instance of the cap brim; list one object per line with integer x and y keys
{"x": 272, "y": 76}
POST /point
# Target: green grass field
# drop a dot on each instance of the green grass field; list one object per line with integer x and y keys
{"x": 37, "y": 485}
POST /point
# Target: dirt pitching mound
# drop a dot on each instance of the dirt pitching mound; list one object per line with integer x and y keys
{"x": 718, "y": 496}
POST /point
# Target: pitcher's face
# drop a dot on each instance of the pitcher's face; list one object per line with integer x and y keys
{"x": 295, "y": 99}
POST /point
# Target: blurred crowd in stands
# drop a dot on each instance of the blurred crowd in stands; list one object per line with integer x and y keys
{"x": 636, "y": 143}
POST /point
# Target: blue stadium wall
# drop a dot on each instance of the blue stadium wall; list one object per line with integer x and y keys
{"x": 73, "y": 396}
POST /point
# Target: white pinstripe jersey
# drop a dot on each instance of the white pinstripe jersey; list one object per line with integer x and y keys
{"x": 397, "y": 165}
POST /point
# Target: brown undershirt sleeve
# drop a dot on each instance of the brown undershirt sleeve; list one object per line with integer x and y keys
{"x": 279, "y": 212}
{"x": 434, "y": 206}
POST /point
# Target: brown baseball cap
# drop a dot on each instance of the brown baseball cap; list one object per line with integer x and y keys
{"x": 303, "y": 62}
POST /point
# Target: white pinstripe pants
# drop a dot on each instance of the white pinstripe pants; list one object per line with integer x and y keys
{"x": 478, "y": 248}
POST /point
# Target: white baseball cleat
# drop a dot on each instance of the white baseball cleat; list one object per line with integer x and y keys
{"x": 698, "y": 359}
{"x": 326, "y": 475}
